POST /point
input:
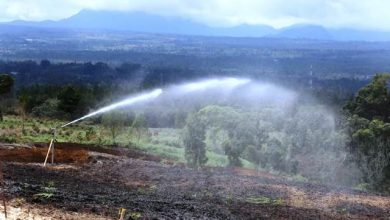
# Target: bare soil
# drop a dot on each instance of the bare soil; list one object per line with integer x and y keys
{"x": 91, "y": 182}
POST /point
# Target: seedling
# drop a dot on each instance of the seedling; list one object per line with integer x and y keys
{"x": 264, "y": 200}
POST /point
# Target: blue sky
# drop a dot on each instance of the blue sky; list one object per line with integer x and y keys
{"x": 359, "y": 14}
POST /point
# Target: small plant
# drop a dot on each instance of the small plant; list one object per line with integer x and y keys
{"x": 278, "y": 201}
{"x": 36, "y": 128}
{"x": 135, "y": 215}
{"x": 45, "y": 131}
{"x": 8, "y": 139}
{"x": 51, "y": 184}
{"x": 68, "y": 133}
{"x": 259, "y": 200}
{"x": 20, "y": 201}
{"x": 48, "y": 191}
{"x": 264, "y": 200}
{"x": 90, "y": 134}
{"x": 362, "y": 186}
{"x": 43, "y": 195}
{"x": 228, "y": 199}
{"x": 80, "y": 136}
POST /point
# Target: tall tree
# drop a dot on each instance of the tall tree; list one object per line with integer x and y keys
{"x": 6, "y": 83}
{"x": 69, "y": 98}
{"x": 22, "y": 105}
{"x": 114, "y": 122}
{"x": 370, "y": 132}
{"x": 193, "y": 139}
{"x": 373, "y": 100}
{"x": 138, "y": 127}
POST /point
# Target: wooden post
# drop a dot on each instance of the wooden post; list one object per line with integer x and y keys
{"x": 48, "y": 151}
{"x": 122, "y": 212}
{"x": 2, "y": 189}
{"x": 52, "y": 152}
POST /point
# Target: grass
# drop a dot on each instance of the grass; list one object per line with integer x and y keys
{"x": 264, "y": 200}
{"x": 362, "y": 186}
{"x": 172, "y": 153}
{"x": 164, "y": 142}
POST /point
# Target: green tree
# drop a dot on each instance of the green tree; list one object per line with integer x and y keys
{"x": 138, "y": 127}
{"x": 22, "y": 105}
{"x": 6, "y": 83}
{"x": 114, "y": 122}
{"x": 69, "y": 99}
{"x": 373, "y": 100}
{"x": 216, "y": 119}
{"x": 193, "y": 139}
{"x": 48, "y": 109}
{"x": 259, "y": 132}
{"x": 369, "y": 122}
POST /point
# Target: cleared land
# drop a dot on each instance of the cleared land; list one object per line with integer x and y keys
{"x": 92, "y": 182}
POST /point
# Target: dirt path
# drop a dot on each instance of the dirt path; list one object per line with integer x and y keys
{"x": 148, "y": 188}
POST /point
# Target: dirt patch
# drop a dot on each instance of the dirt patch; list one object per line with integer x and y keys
{"x": 359, "y": 208}
{"x": 37, "y": 155}
{"x": 20, "y": 209}
{"x": 111, "y": 150}
{"x": 66, "y": 153}
{"x": 77, "y": 146}
{"x": 148, "y": 189}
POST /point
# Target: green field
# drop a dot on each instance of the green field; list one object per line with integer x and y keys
{"x": 164, "y": 142}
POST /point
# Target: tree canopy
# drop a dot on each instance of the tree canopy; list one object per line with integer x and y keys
{"x": 373, "y": 100}
{"x": 369, "y": 123}
{"x": 6, "y": 83}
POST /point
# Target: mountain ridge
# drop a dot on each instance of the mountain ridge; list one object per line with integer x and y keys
{"x": 150, "y": 23}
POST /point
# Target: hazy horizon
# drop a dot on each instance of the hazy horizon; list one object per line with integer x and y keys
{"x": 335, "y": 14}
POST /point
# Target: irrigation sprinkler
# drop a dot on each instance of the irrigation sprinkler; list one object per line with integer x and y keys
{"x": 129, "y": 101}
{"x": 147, "y": 96}
{"x": 51, "y": 147}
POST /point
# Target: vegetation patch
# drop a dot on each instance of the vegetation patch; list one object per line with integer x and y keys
{"x": 264, "y": 200}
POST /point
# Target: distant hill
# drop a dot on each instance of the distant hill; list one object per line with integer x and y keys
{"x": 143, "y": 22}
{"x": 304, "y": 32}
{"x": 148, "y": 23}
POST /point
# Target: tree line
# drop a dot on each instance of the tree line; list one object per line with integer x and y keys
{"x": 282, "y": 141}
{"x": 349, "y": 149}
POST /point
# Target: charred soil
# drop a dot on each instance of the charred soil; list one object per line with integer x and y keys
{"x": 91, "y": 182}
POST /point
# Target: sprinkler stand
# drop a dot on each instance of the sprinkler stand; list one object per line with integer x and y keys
{"x": 51, "y": 148}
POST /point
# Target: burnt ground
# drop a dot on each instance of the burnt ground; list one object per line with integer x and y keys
{"x": 90, "y": 182}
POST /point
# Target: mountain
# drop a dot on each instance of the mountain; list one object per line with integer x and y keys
{"x": 304, "y": 32}
{"x": 143, "y": 22}
{"x": 317, "y": 32}
{"x": 148, "y": 23}
{"x": 359, "y": 35}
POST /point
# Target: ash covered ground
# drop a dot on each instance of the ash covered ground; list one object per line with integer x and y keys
{"x": 90, "y": 182}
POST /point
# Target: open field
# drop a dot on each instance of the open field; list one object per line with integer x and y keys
{"x": 165, "y": 142}
{"x": 99, "y": 181}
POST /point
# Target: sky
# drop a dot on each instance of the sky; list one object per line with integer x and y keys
{"x": 357, "y": 14}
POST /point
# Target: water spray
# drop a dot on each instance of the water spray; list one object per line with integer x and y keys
{"x": 226, "y": 83}
{"x": 223, "y": 83}
{"x": 129, "y": 101}
{"x": 143, "y": 97}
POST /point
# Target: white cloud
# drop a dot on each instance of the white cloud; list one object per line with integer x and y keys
{"x": 372, "y": 14}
